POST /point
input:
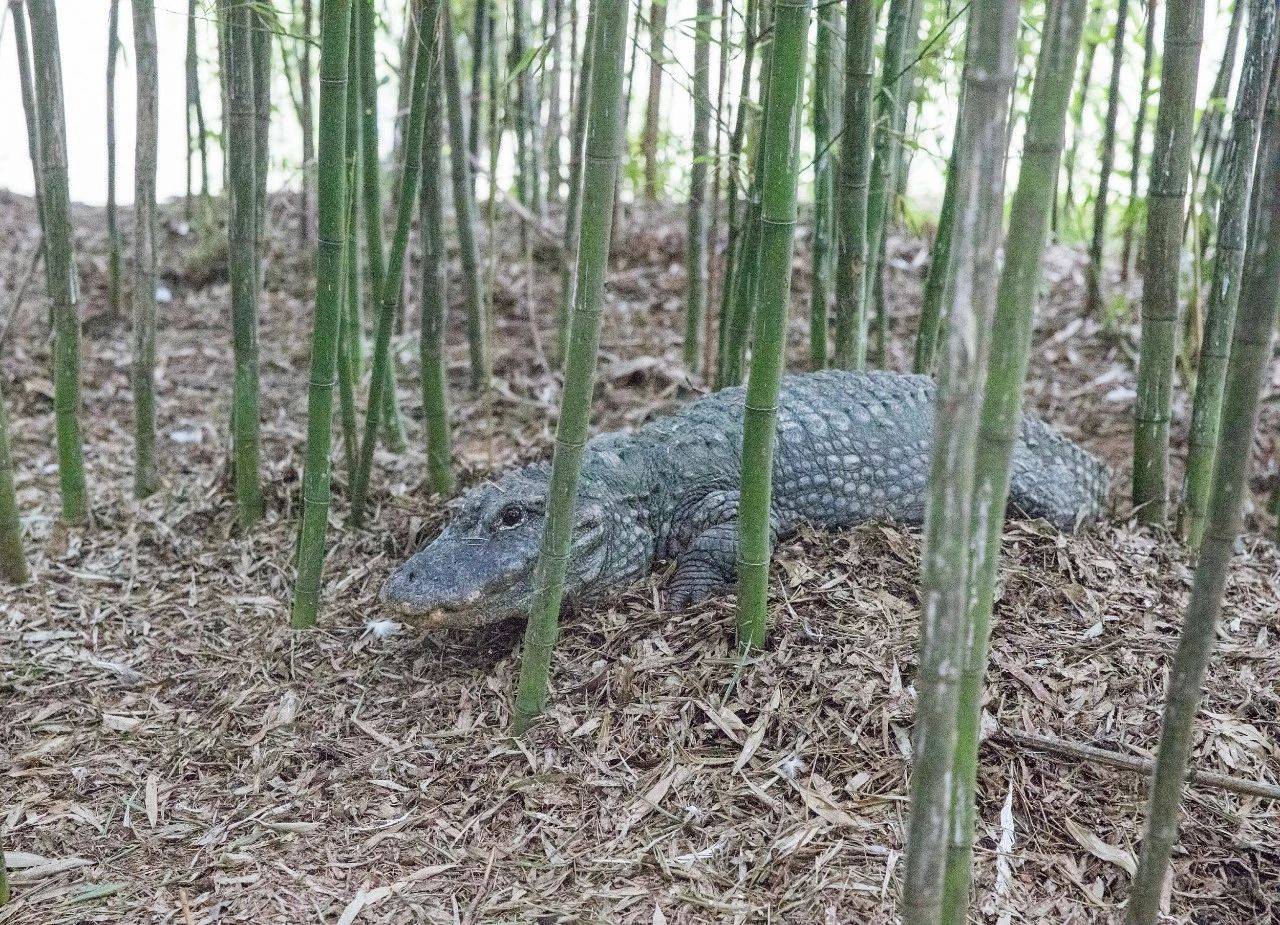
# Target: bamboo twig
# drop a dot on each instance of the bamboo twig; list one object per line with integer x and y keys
{"x": 1137, "y": 765}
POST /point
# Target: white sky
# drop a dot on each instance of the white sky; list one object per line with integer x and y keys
{"x": 83, "y": 37}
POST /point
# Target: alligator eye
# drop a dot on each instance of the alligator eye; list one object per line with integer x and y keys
{"x": 511, "y": 516}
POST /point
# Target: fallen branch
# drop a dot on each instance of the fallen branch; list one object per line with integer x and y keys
{"x": 15, "y": 306}
{"x": 1142, "y": 766}
{"x": 544, "y": 230}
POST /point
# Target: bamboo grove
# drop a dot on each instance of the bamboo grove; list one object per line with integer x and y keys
{"x": 804, "y": 125}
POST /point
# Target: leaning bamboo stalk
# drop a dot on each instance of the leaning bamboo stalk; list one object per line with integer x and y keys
{"x": 375, "y": 254}
{"x": 60, "y": 268}
{"x": 424, "y": 39}
{"x": 1018, "y": 288}
{"x": 1251, "y": 349}
{"x": 1166, "y": 208}
{"x": 945, "y": 578}
{"x": 464, "y": 212}
{"x": 779, "y": 141}
{"x": 25, "y": 82}
{"x": 1236, "y": 185}
{"x": 573, "y": 203}
{"x": 13, "y": 562}
{"x": 600, "y": 176}
{"x": 144, "y": 249}
{"x": 331, "y": 182}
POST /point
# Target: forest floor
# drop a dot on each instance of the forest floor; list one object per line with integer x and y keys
{"x": 176, "y": 754}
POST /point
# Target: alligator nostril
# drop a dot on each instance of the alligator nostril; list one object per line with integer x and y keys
{"x": 411, "y": 575}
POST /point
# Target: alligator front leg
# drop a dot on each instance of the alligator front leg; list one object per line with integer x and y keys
{"x": 708, "y": 562}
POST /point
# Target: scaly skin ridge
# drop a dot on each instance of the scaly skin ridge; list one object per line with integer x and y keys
{"x": 851, "y": 447}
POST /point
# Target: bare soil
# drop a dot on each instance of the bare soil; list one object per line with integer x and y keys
{"x": 174, "y": 753}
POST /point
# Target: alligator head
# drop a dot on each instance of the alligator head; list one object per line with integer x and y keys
{"x": 480, "y": 569}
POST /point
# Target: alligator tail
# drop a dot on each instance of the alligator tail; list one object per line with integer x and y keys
{"x": 1056, "y": 479}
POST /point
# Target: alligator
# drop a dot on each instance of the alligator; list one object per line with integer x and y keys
{"x": 851, "y": 447}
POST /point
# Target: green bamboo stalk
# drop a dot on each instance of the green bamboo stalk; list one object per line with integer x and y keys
{"x": 350, "y": 321}
{"x": 262, "y": 27}
{"x": 479, "y": 57}
{"x": 242, "y": 238}
{"x": 435, "y": 264}
{"x": 375, "y": 255}
{"x": 734, "y": 220}
{"x": 696, "y": 238}
{"x": 60, "y": 268}
{"x": 1018, "y": 288}
{"x": 945, "y": 578}
{"x": 824, "y": 74}
{"x": 892, "y": 97}
{"x": 1092, "y": 39}
{"x": 1106, "y": 158}
{"x": 113, "y": 222}
{"x": 192, "y": 85}
{"x": 331, "y": 181}
{"x": 1251, "y": 350}
{"x": 573, "y": 204}
{"x": 1139, "y": 131}
{"x": 710, "y": 338}
{"x": 23, "y": 43}
{"x": 1166, "y": 207}
{"x": 424, "y": 40}
{"x": 779, "y": 142}
{"x": 527, "y": 122}
{"x": 1209, "y": 129}
{"x": 13, "y": 562}
{"x": 554, "y": 26}
{"x": 746, "y": 282}
{"x": 854, "y": 175}
{"x": 145, "y": 480}
{"x": 653, "y": 102}
{"x": 464, "y": 212}
{"x": 600, "y": 175}
{"x": 1236, "y": 184}
{"x": 938, "y": 280}
{"x": 306, "y": 119}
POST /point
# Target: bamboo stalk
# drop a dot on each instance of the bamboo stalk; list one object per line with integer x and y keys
{"x": 947, "y": 569}
{"x": 113, "y": 222}
{"x": 13, "y": 562}
{"x": 331, "y": 181}
{"x": 854, "y": 175}
{"x": 779, "y": 142}
{"x": 1236, "y": 184}
{"x": 1166, "y": 207}
{"x": 60, "y": 268}
{"x": 145, "y": 480}
{"x": 1139, "y": 130}
{"x": 26, "y": 83}
{"x": 696, "y": 230}
{"x": 1001, "y": 415}
{"x": 424, "y": 40}
{"x": 464, "y": 212}
{"x": 600, "y": 175}
{"x": 573, "y": 204}
{"x": 824, "y": 84}
{"x": 1251, "y": 349}
{"x": 242, "y": 238}
{"x": 435, "y": 265}
{"x": 1097, "y": 244}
